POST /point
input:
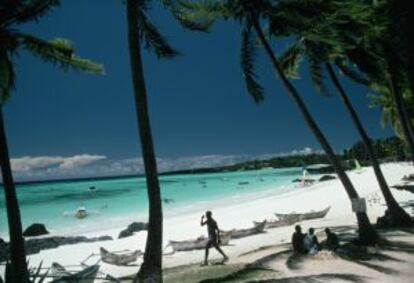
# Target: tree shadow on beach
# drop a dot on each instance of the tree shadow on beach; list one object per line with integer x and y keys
{"x": 319, "y": 278}
{"x": 370, "y": 260}
{"x": 245, "y": 274}
{"x": 398, "y": 246}
{"x": 292, "y": 260}
{"x": 262, "y": 248}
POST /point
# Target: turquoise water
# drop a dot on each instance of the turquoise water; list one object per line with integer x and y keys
{"x": 54, "y": 203}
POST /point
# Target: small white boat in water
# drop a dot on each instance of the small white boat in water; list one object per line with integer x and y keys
{"x": 81, "y": 212}
{"x": 93, "y": 189}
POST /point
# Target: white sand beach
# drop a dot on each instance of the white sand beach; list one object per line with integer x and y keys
{"x": 241, "y": 215}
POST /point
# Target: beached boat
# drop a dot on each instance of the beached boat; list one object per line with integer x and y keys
{"x": 81, "y": 213}
{"x": 197, "y": 244}
{"x": 61, "y": 275}
{"x": 241, "y": 233}
{"x": 278, "y": 223}
{"x": 290, "y": 217}
{"x": 119, "y": 258}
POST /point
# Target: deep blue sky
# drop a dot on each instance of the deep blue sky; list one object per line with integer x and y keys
{"x": 198, "y": 102}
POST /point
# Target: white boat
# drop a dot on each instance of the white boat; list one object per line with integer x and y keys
{"x": 197, "y": 244}
{"x": 358, "y": 167}
{"x": 124, "y": 258}
{"x": 93, "y": 189}
{"x": 81, "y": 212}
{"x": 295, "y": 217}
{"x": 257, "y": 228}
{"x": 61, "y": 275}
{"x": 305, "y": 180}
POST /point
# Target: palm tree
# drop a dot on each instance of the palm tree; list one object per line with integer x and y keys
{"x": 56, "y": 51}
{"x": 321, "y": 44}
{"x": 385, "y": 102}
{"x": 399, "y": 215}
{"x": 142, "y": 31}
{"x": 250, "y": 14}
{"x": 384, "y": 57}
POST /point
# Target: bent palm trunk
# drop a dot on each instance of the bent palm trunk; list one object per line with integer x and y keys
{"x": 367, "y": 234}
{"x": 17, "y": 250}
{"x": 398, "y": 214}
{"x": 151, "y": 268}
{"x": 398, "y": 99}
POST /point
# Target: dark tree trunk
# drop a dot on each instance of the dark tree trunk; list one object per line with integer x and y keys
{"x": 401, "y": 113}
{"x": 367, "y": 234}
{"x": 396, "y": 94}
{"x": 151, "y": 268}
{"x": 399, "y": 215}
{"x": 17, "y": 250}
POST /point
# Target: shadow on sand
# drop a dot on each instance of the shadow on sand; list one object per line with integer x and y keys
{"x": 324, "y": 277}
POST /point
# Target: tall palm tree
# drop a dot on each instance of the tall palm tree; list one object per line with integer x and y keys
{"x": 321, "y": 44}
{"x": 56, "y": 51}
{"x": 250, "y": 14}
{"x": 399, "y": 43}
{"x": 385, "y": 58}
{"x": 399, "y": 215}
{"x": 142, "y": 32}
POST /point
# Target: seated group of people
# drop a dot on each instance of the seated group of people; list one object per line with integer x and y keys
{"x": 309, "y": 244}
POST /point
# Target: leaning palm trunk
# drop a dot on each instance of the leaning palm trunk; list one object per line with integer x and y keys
{"x": 402, "y": 114}
{"x": 17, "y": 250}
{"x": 151, "y": 268}
{"x": 367, "y": 235}
{"x": 399, "y": 215}
{"x": 398, "y": 99}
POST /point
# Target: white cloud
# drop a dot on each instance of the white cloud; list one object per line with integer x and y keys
{"x": 80, "y": 160}
{"x": 44, "y": 166}
{"x": 28, "y": 163}
{"x": 88, "y": 165}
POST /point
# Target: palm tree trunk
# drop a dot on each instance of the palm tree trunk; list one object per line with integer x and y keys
{"x": 151, "y": 268}
{"x": 17, "y": 249}
{"x": 367, "y": 234}
{"x": 396, "y": 95}
{"x": 399, "y": 215}
{"x": 401, "y": 114}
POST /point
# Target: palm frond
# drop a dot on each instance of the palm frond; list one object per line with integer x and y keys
{"x": 353, "y": 74}
{"x": 7, "y": 77}
{"x": 189, "y": 21}
{"x": 290, "y": 60}
{"x": 186, "y": 18}
{"x": 247, "y": 61}
{"x": 32, "y": 10}
{"x": 316, "y": 59}
{"x": 153, "y": 39}
{"x": 59, "y": 52}
{"x": 205, "y": 8}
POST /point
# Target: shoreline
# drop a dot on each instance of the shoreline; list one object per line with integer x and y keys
{"x": 240, "y": 215}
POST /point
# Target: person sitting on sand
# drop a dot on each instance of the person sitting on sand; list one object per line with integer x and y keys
{"x": 297, "y": 240}
{"x": 213, "y": 236}
{"x": 310, "y": 242}
{"x": 331, "y": 242}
